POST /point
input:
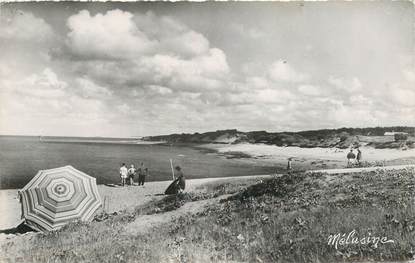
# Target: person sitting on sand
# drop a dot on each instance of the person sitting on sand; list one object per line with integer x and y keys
{"x": 123, "y": 173}
{"x": 131, "y": 174}
{"x": 181, "y": 180}
{"x": 350, "y": 158}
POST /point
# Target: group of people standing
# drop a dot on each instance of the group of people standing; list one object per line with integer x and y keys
{"x": 127, "y": 175}
{"x": 353, "y": 159}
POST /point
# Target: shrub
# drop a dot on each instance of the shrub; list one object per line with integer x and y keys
{"x": 400, "y": 137}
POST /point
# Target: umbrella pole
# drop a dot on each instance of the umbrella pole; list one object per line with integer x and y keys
{"x": 172, "y": 170}
{"x": 106, "y": 204}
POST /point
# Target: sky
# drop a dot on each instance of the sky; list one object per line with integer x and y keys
{"x": 138, "y": 69}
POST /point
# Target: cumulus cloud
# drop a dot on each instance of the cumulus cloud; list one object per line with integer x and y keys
{"x": 98, "y": 73}
{"x": 113, "y": 35}
{"x": 24, "y": 26}
{"x": 123, "y": 35}
{"x": 189, "y": 43}
{"x": 142, "y": 50}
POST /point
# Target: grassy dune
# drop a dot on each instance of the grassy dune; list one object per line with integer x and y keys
{"x": 289, "y": 219}
{"x": 282, "y": 219}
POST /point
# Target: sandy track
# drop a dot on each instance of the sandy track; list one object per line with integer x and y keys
{"x": 146, "y": 223}
{"x": 362, "y": 169}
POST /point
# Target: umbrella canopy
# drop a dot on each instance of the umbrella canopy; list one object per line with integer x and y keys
{"x": 57, "y": 196}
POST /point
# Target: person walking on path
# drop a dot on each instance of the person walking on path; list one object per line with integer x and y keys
{"x": 131, "y": 174}
{"x": 350, "y": 158}
{"x": 359, "y": 156}
{"x": 123, "y": 174}
{"x": 289, "y": 167}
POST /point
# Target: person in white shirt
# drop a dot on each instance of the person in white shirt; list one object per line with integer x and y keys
{"x": 123, "y": 174}
{"x": 131, "y": 174}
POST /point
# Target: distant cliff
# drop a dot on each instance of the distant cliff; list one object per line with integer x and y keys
{"x": 341, "y": 138}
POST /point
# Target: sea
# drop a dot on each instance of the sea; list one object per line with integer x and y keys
{"x": 21, "y": 157}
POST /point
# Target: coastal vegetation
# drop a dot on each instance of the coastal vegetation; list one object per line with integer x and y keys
{"x": 287, "y": 218}
{"x": 340, "y": 138}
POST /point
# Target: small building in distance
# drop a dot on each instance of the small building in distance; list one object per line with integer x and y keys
{"x": 392, "y": 133}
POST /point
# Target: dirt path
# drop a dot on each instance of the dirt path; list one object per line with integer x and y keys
{"x": 362, "y": 169}
{"x": 146, "y": 223}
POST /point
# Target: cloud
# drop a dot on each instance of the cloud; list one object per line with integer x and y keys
{"x": 159, "y": 90}
{"x": 89, "y": 89}
{"x": 172, "y": 36}
{"x": 97, "y": 73}
{"x": 122, "y": 35}
{"x": 282, "y": 71}
{"x": 113, "y": 35}
{"x": 43, "y": 103}
{"x": 25, "y": 44}
{"x": 125, "y": 50}
{"x": 257, "y": 82}
{"x": 347, "y": 85}
{"x": 189, "y": 43}
{"x": 247, "y": 32}
{"x": 310, "y": 90}
{"x": 36, "y": 95}
{"x": 24, "y": 26}
{"x": 409, "y": 75}
{"x": 42, "y": 86}
{"x": 404, "y": 97}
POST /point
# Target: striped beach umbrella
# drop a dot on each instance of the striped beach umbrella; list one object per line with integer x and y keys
{"x": 57, "y": 196}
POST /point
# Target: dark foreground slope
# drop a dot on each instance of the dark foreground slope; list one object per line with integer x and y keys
{"x": 290, "y": 219}
{"x": 284, "y": 219}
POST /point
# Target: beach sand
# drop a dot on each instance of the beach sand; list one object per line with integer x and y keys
{"x": 312, "y": 158}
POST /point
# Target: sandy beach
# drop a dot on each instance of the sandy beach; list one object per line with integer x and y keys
{"x": 312, "y": 158}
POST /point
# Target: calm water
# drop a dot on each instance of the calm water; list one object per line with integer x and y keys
{"x": 22, "y": 157}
